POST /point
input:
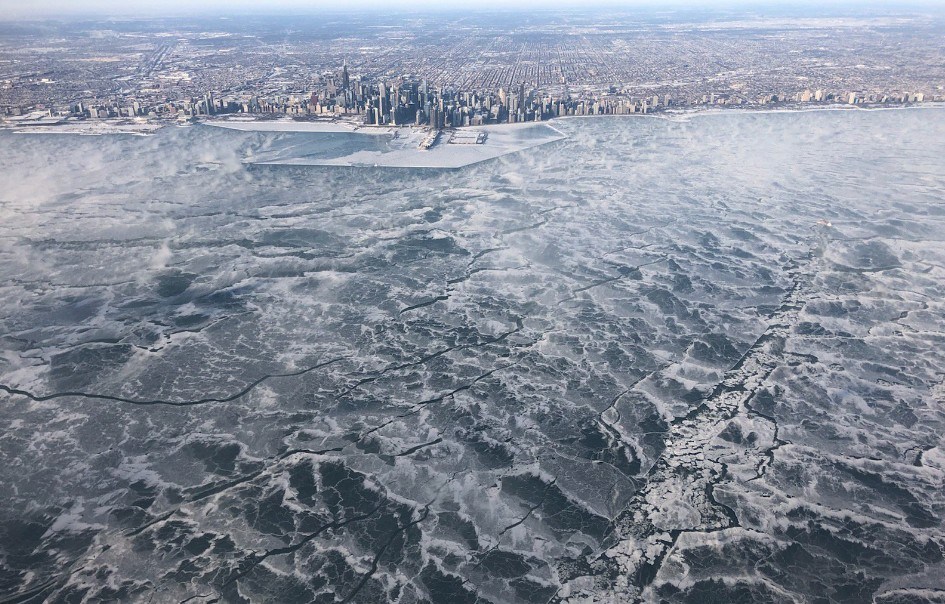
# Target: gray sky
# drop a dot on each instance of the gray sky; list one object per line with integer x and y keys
{"x": 53, "y": 8}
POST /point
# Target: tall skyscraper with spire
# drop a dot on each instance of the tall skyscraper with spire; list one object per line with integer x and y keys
{"x": 346, "y": 86}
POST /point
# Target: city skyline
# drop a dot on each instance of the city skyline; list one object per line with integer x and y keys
{"x": 481, "y": 68}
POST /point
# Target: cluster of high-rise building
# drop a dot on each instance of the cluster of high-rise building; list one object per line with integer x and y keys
{"x": 411, "y": 102}
{"x": 408, "y": 101}
{"x": 477, "y": 69}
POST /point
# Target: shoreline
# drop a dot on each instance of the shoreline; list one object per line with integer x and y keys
{"x": 251, "y": 123}
{"x": 670, "y": 114}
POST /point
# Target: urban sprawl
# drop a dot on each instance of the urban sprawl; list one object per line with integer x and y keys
{"x": 490, "y": 72}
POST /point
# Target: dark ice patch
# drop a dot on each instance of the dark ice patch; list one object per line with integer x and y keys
{"x": 831, "y": 308}
{"x": 917, "y": 515}
{"x": 555, "y": 507}
{"x": 443, "y": 587}
{"x": 302, "y": 480}
{"x": 532, "y": 591}
{"x": 716, "y": 591}
{"x": 668, "y": 303}
{"x": 173, "y": 283}
{"x": 440, "y": 245}
{"x": 298, "y": 238}
{"x": 504, "y": 564}
{"x": 77, "y": 309}
{"x": 83, "y": 366}
{"x": 867, "y": 256}
{"x": 460, "y": 527}
{"x": 716, "y": 349}
{"x": 218, "y": 457}
{"x": 806, "y": 328}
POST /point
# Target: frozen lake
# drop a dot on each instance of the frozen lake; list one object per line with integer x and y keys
{"x": 689, "y": 359}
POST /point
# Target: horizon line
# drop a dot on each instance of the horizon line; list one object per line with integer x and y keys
{"x": 119, "y": 11}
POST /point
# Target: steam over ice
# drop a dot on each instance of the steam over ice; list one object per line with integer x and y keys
{"x": 633, "y": 364}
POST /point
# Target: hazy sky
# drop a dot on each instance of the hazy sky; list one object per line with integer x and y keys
{"x": 52, "y": 8}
